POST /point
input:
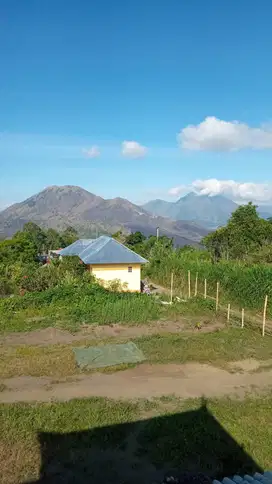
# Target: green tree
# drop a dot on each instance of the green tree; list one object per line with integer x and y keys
{"x": 246, "y": 233}
{"x": 218, "y": 244}
{"x": 36, "y": 234}
{"x": 20, "y": 248}
{"x": 120, "y": 236}
{"x": 134, "y": 239}
{"x": 69, "y": 236}
{"x": 53, "y": 240}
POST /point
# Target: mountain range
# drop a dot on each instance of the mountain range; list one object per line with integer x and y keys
{"x": 188, "y": 220}
{"x": 208, "y": 211}
{"x": 60, "y": 206}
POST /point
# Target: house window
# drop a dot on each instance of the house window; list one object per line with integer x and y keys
{"x": 129, "y": 269}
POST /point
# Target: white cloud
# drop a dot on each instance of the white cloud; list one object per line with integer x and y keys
{"x": 217, "y": 135}
{"x": 92, "y": 152}
{"x": 179, "y": 190}
{"x": 132, "y": 149}
{"x": 259, "y": 192}
{"x": 243, "y": 191}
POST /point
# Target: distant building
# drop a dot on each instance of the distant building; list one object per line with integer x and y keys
{"x": 109, "y": 260}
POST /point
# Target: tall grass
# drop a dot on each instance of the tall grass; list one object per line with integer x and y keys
{"x": 245, "y": 286}
{"x": 71, "y": 305}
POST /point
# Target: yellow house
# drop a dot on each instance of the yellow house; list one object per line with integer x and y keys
{"x": 109, "y": 260}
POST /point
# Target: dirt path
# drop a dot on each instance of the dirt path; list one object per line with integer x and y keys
{"x": 48, "y": 336}
{"x": 145, "y": 381}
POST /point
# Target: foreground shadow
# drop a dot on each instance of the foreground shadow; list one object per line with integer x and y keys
{"x": 144, "y": 452}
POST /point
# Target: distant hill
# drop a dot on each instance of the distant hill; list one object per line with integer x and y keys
{"x": 60, "y": 206}
{"x": 208, "y": 211}
{"x": 265, "y": 211}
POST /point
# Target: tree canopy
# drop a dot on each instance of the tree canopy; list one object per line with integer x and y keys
{"x": 69, "y": 236}
{"x": 26, "y": 244}
{"x": 244, "y": 237}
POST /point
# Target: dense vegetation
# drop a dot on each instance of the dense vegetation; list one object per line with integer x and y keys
{"x": 61, "y": 293}
{"x": 71, "y": 304}
{"x": 238, "y": 256}
{"x": 246, "y": 237}
{"x": 20, "y": 266}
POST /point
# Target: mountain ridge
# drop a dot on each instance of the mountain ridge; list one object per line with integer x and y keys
{"x": 59, "y": 206}
{"x": 206, "y": 210}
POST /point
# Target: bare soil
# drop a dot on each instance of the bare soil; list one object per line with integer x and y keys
{"x": 48, "y": 336}
{"x": 145, "y": 381}
{"x": 250, "y": 365}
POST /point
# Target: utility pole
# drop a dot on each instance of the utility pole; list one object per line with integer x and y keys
{"x": 158, "y": 233}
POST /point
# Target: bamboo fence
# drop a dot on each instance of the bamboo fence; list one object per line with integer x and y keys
{"x": 237, "y": 317}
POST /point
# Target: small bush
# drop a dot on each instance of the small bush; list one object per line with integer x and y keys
{"x": 42, "y": 278}
{"x": 71, "y": 264}
{"x": 115, "y": 285}
{"x": 39, "y": 278}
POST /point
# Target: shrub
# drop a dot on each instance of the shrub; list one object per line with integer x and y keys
{"x": 40, "y": 279}
{"x": 35, "y": 278}
{"x": 71, "y": 264}
{"x": 115, "y": 285}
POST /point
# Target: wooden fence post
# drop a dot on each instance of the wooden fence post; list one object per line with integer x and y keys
{"x": 189, "y": 284}
{"x": 171, "y": 288}
{"x": 243, "y": 317}
{"x": 205, "y": 289}
{"x": 217, "y": 296}
{"x": 228, "y": 315}
{"x": 196, "y": 281}
{"x": 264, "y": 314}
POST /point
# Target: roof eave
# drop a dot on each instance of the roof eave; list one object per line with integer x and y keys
{"x": 86, "y": 261}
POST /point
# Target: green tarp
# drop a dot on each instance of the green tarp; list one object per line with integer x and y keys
{"x": 108, "y": 355}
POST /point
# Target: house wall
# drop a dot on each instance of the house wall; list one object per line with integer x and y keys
{"x": 119, "y": 271}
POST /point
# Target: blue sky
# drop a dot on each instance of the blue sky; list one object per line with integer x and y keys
{"x": 102, "y": 95}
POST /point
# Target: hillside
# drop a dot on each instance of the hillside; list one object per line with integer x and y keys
{"x": 59, "y": 206}
{"x": 209, "y": 211}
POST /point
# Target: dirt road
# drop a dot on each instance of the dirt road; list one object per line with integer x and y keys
{"x": 145, "y": 381}
{"x": 47, "y": 336}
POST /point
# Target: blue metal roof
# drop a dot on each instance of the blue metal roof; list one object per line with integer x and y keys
{"x": 76, "y": 247}
{"x": 257, "y": 478}
{"x": 103, "y": 250}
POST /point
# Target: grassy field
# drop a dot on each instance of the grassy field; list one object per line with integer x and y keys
{"x": 72, "y": 306}
{"x": 118, "y": 439}
{"x": 217, "y": 348}
{"x": 123, "y": 441}
{"x": 69, "y": 307}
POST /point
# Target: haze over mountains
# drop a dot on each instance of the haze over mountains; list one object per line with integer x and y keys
{"x": 208, "y": 211}
{"x": 60, "y": 206}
